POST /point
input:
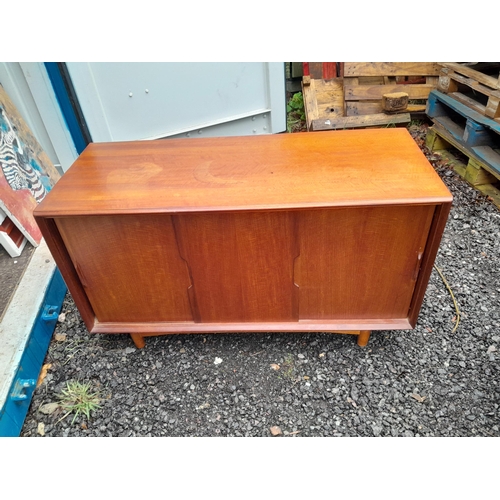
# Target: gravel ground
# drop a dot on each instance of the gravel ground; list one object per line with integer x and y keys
{"x": 424, "y": 382}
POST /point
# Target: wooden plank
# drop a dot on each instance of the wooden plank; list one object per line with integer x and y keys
{"x": 490, "y": 157}
{"x": 329, "y": 98}
{"x": 310, "y": 104}
{"x": 476, "y": 175}
{"x": 316, "y": 70}
{"x": 473, "y": 84}
{"x": 451, "y": 127}
{"x": 360, "y": 121}
{"x": 471, "y": 103}
{"x": 416, "y": 108}
{"x": 479, "y": 77}
{"x": 371, "y": 80}
{"x": 435, "y": 142}
{"x": 493, "y": 108}
{"x": 391, "y": 69}
{"x": 329, "y": 70}
{"x": 323, "y": 99}
{"x": 358, "y": 108}
{"x": 155, "y": 328}
{"x": 366, "y": 92}
{"x": 446, "y": 84}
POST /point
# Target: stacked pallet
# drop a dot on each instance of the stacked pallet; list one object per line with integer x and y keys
{"x": 473, "y": 86}
{"x": 360, "y": 97}
{"x": 466, "y": 119}
{"x": 366, "y": 83}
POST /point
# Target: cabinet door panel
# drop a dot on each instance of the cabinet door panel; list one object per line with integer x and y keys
{"x": 241, "y": 265}
{"x": 360, "y": 262}
{"x": 129, "y": 266}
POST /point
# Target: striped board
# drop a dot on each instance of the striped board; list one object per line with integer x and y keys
{"x": 26, "y": 172}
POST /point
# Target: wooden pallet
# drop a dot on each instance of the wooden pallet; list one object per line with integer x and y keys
{"x": 475, "y": 172}
{"x": 324, "y": 107}
{"x": 475, "y": 133}
{"x": 323, "y": 99}
{"x": 367, "y": 121}
{"x": 366, "y": 83}
{"x": 320, "y": 70}
{"x": 473, "y": 88}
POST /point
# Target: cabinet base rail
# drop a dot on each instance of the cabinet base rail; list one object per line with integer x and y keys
{"x": 363, "y": 336}
{"x": 361, "y": 328}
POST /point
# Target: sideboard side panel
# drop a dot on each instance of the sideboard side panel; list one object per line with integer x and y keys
{"x": 435, "y": 234}
{"x": 58, "y": 250}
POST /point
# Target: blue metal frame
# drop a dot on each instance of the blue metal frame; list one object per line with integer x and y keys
{"x": 64, "y": 100}
{"x": 15, "y": 409}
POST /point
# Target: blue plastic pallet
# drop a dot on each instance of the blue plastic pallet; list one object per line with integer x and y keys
{"x": 478, "y": 134}
{"x": 23, "y": 356}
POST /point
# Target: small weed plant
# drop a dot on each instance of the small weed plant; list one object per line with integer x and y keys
{"x": 296, "y": 115}
{"x": 288, "y": 367}
{"x": 78, "y": 398}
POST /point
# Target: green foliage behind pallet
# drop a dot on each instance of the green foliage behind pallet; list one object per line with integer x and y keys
{"x": 296, "y": 115}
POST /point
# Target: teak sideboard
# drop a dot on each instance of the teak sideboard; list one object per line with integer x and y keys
{"x": 310, "y": 232}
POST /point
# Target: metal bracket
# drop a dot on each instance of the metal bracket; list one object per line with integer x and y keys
{"x": 49, "y": 313}
{"x": 19, "y": 391}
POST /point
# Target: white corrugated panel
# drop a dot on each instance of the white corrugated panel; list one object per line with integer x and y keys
{"x": 135, "y": 101}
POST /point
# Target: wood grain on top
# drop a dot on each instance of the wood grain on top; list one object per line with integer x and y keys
{"x": 321, "y": 169}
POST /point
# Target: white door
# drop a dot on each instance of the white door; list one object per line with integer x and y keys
{"x": 137, "y": 101}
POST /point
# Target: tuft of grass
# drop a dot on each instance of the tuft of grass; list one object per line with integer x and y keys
{"x": 416, "y": 123}
{"x": 288, "y": 367}
{"x": 78, "y": 398}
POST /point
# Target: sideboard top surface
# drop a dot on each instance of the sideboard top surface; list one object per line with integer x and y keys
{"x": 283, "y": 171}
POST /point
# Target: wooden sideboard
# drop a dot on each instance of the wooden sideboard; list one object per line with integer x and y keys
{"x": 310, "y": 232}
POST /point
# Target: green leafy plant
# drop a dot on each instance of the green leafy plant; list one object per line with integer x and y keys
{"x": 296, "y": 104}
{"x": 288, "y": 367}
{"x": 78, "y": 398}
{"x": 296, "y": 115}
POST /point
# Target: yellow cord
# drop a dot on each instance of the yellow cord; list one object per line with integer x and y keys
{"x": 452, "y": 296}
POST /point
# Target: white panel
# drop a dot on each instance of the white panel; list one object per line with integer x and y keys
{"x": 48, "y": 107}
{"x": 18, "y": 319}
{"x": 277, "y": 95}
{"x": 131, "y": 101}
{"x": 14, "y": 82}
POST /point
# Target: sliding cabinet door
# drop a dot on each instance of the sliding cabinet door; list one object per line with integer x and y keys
{"x": 360, "y": 263}
{"x": 129, "y": 266}
{"x": 241, "y": 265}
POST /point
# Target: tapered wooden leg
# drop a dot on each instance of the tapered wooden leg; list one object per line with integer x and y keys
{"x": 138, "y": 340}
{"x": 363, "y": 337}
